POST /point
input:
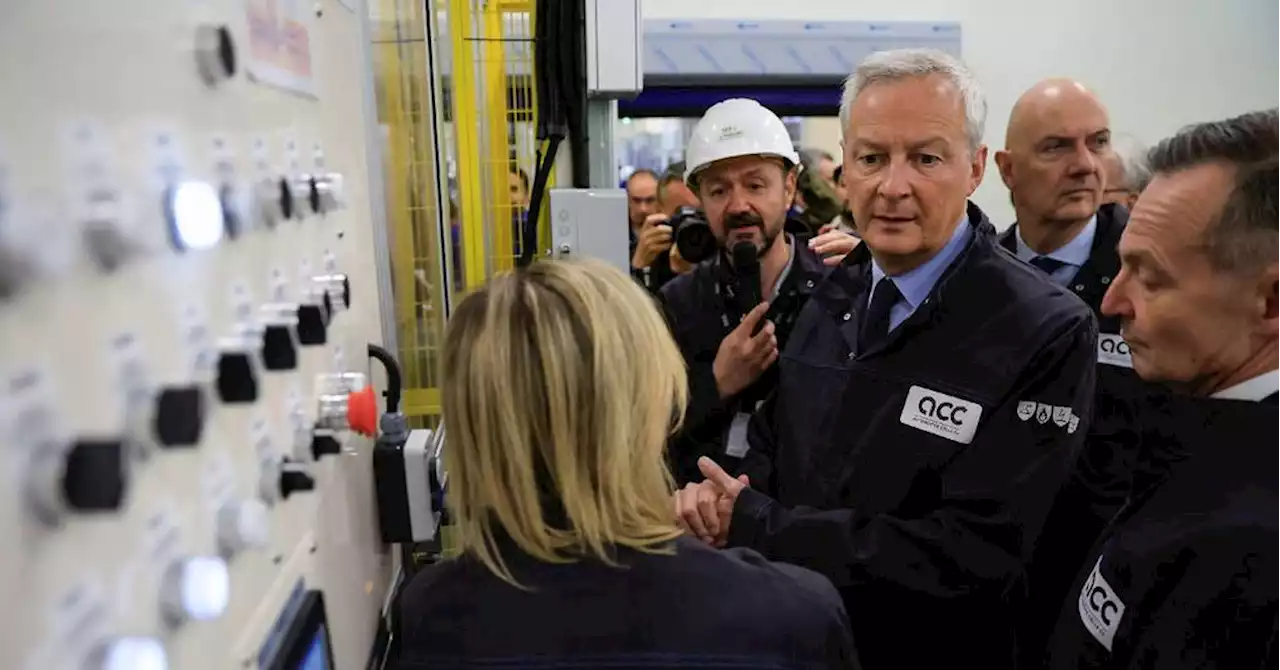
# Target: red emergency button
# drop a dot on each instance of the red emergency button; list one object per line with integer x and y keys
{"x": 362, "y": 411}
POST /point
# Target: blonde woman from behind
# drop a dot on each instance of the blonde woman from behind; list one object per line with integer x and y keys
{"x": 561, "y": 385}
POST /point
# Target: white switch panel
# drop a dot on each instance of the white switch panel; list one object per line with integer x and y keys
{"x": 186, "y": 244}
{"x": 583, "y": 225}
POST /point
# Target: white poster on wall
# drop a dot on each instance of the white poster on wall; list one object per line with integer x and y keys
{"x": 279, "y": 51}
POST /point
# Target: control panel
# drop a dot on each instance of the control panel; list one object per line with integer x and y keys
{"x": 188, "y": 285}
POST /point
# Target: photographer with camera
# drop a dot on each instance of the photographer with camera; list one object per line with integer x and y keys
{"x": 651, "y": 264}
{"x": 654, "y": 260}
{"x": 732, "y": 313}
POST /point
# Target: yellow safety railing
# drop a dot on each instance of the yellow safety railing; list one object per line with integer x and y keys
{"x": 466, "y": 132}
{"x": 493, "y": 111}
{"x": 497, "y": 141}
{"x": 488, "y": 136}
{"x": 419, "y": 257}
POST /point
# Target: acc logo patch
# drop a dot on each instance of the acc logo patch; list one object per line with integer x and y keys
{"x": 1061, "y": 415}
{"x": 1100, "y": 607}
{"x": 1073, "y": 424}
{"x": 1026, "y": 409}
{"x": 940, "y": 414}
{"x": 1043, "y": 412}
{"x": 1113, "y": 350}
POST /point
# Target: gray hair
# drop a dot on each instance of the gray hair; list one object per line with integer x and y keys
{"x": 899, "y": 64}
{"x": 1131, "y": 155}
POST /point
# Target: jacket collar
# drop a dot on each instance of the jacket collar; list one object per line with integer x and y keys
{"x": 916, "y": 284}
{"x": 844, "y": 294}
{"x": 1091, "y": 282}
{"x": 974, "y": 215}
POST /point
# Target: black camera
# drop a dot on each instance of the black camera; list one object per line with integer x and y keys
{"x": 692, "y": 234}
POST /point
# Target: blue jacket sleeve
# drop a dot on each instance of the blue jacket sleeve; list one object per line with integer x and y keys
{"x": 992, "y": 499}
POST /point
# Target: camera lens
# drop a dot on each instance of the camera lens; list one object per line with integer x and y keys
{"x": 696, "y": 243}
{"x": 693, "y": 236}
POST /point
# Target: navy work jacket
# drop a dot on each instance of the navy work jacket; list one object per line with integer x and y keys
{"x": 920, "y": 480}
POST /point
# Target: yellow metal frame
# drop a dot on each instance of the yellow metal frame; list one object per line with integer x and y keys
{"x": 399, "y": 215}
{"x": 419, "y": 257}
{"x": 483, "y": 124}
{"x": 493, "y": 64}
{"x": 467, "y": 135}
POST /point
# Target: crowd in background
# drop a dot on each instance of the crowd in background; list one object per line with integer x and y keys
{"x": 898, "y": 437}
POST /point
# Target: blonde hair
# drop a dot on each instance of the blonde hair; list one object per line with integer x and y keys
{"x": 561, "y": 386}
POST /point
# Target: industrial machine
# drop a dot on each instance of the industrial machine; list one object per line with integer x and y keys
{"x": 190, "y": 273}
{"x": 194, "y": 277}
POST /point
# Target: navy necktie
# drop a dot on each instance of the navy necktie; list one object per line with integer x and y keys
{"x": 1047, "y": 265}
{"x": 876, "y": 326}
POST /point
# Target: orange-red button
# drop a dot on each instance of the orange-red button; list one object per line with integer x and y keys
{"x": 362, "y": 411}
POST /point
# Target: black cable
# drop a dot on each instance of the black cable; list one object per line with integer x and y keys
{"x": 550, "y": 68}
{"x": 543, "y": 69}
{"x": 573, "y": 77}
{"x": 560, "y": 66}
{"x": 392, "y": 368}
{"x": 540, "y": 179}
{"x": 552, "y": 35}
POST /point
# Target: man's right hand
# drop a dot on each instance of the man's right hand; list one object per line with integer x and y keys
{"x": 705, "y": 509}
{"x": 743, "y": 357}
{"x": 654, "y": 238}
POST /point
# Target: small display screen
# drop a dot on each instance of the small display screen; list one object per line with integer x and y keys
{"x": 317, "y": 657}
{"x": 300, "y": 638}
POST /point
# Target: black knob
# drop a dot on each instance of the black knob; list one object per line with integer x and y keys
{"x": 311, "y": 325}
{"x": 313, "y": 195}
{"x": 179, "y": 417}
{"x": 293, "y": 481}
{"x": 215, "y": 54}
{"x": 278, "y": 349}
{"x": 237, "y": 382}
{"x": 109, "y": 247}
{"x": 94, "y": 479}
{"x": 325, "y": 445}
{"x": 328, "y": 308}
{"x": 231, "y": 220}
{"x": 286, "y": 199}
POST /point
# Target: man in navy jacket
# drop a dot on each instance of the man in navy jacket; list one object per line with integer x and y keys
{"x": 931, "y": 398}
{"x": 1186, "y": 575}
{"x": 730, "y": 322}
{"x": 1057, "y": 148}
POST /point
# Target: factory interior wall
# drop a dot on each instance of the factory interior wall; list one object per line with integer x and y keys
{"x": 1157, "y": 64}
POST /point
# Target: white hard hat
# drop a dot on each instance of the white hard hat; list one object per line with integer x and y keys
{"x": 737, "y": 127}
